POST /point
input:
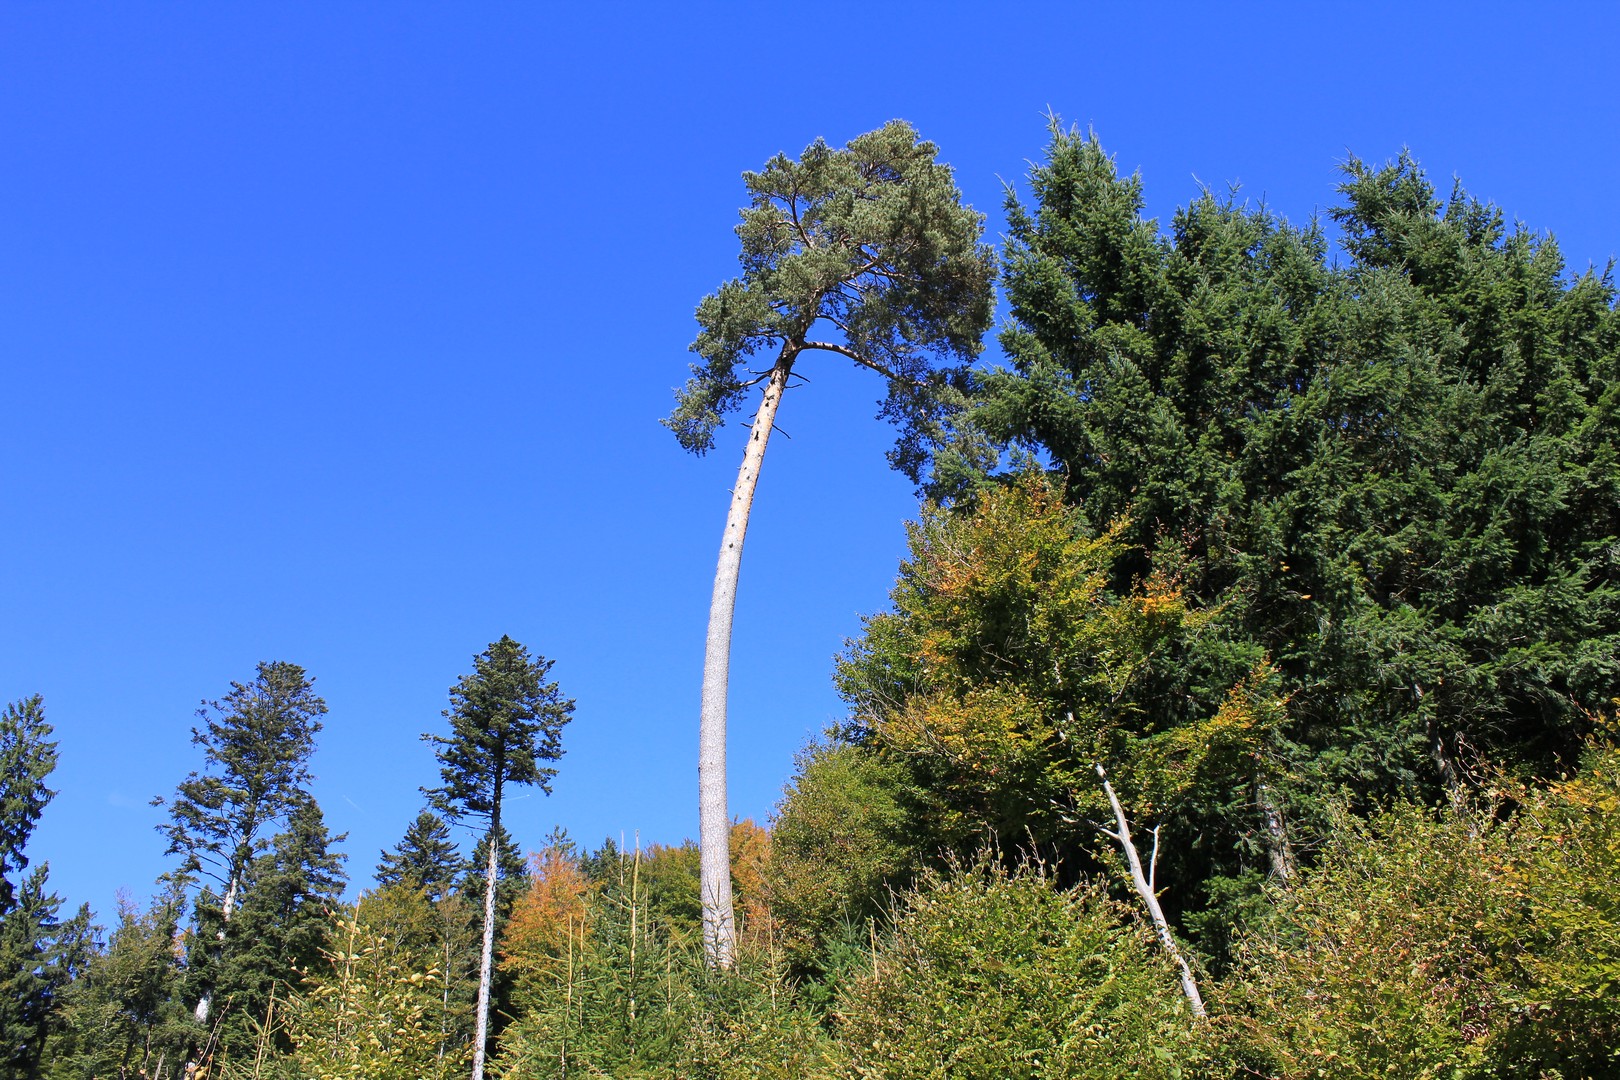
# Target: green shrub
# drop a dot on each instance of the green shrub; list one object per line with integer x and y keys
{"x": 837, "y": 846}
{"x": 630, "y": 996}
{"x": 1474, "y": 943}
{"x": 998, "y": 974}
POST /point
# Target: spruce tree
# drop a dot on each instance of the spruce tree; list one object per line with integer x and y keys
{"x": 39, "y": 953}
{"x": 505, "y": 719}
{"x": 237, "y": 821}
{"x": 1392, "y": 473}
{"x": 124, "y": 1016}
{"x": 424, "y": 859}
{"x": 27, "y": 757}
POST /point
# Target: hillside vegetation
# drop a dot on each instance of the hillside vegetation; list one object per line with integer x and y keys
{"x": 1283, "y": 559}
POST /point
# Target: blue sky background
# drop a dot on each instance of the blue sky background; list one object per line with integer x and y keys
{"x": 339, "y": 334}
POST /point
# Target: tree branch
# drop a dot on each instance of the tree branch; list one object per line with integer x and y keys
{"x": 1144, "y": 890}
{"x": 843, "y": 350}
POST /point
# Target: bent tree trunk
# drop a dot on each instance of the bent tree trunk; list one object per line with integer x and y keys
{"x": 719, "y": 930}
{"x": 1144, "y": 889}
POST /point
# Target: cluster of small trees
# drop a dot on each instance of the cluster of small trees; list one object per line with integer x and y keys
{"x": 248, "y": 953}
{"x": 1245, "y": 705}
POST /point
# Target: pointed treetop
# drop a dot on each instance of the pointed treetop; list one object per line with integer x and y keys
{"x": 505, "y": 719}
{"x": 27, "y": 756}
{"x": 425, "y": 858}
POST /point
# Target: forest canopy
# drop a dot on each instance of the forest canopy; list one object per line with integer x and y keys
{"x": 1259, "y": 631}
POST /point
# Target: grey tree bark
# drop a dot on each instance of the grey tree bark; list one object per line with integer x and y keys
{"x": 719, "y": 924}
{"x": 1144, "y": 889}
{"x": 485, "y": 960}
{"x": 487, "y": 953}
{"x": 1279, "y": 851}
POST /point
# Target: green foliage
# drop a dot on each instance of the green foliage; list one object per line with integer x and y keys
{"x": 248, "y": 829}
{"x": 441, "y": 934}
{"x": 256, "y": 746}
{"x": 872, "y": 239}
{"x": 278, "y": 930}
{"x": 994, "y": 974}
{"x": 1010, "y": 667}
{"x": 39, "y": 953}
{"x": 1380, "y": 962}
{"x": 425, "y": 858}
{"x": 841, "y": 840}
{"x": 505, "y": 719}
{"x": 1482, "y": 943}
{"x": 27, "y": 757}
{"x": 626, "y": 994}
{"x": 123, "y": 1014}
{"x": 371, "y": 1009}
{"x": 1567, "y": 940}
{"x": 1395, "y": 476}
{"x": 511, "y": 872}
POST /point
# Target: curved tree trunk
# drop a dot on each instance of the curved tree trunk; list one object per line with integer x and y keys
{"x": 719, "y": 928}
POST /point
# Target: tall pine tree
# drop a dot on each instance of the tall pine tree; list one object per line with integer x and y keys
{"x": 505, "y": 720}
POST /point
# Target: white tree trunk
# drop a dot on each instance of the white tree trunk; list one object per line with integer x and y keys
{"x": 486, "y": 956}
{"x": 719, "y": 927}
{"x": 205, "y": 1002}
{"x": 1144, "y": 889}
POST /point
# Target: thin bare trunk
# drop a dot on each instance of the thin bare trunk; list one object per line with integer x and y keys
{"x": 1144, "y": 889}
{"x": 205, "y": 1001}
{"x": 1279, "y": 851}
{"x": 488, "y": 952}
{"x": 444, "y": 1003}
{"x": 719, "y": 929}
{"x": 635, "y": 885}
{"x": 270, "y": 1018}
{"x": 568, "y": 1002}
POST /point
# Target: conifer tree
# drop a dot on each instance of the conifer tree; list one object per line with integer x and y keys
{"x": 872, "y": 244}
{"x": 505, "y": 719}
{"x": 225, "y": 818}
{"x": 39, "y": 953}
{"x": 1391, "y": 474}
{"x": 123, "y": 1016}
{"x": 425, "y": 858}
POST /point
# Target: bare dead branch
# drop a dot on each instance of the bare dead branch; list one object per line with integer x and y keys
{"x": 1150, "y": 899}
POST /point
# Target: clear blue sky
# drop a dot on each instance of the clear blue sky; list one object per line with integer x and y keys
{"x": 338, "y": 333}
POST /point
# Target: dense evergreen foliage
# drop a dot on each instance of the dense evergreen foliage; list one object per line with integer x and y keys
{"x": 505, "y": 720}
{"x": 40, "y": 953}
{"x": 1312, "y": 550}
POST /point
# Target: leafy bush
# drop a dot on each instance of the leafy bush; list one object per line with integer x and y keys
{"x": 1479, "y": 942}
{"x": 991, "y": 973}
{"x": 374, "y": 1012}
{"x": 839, "y": 843}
